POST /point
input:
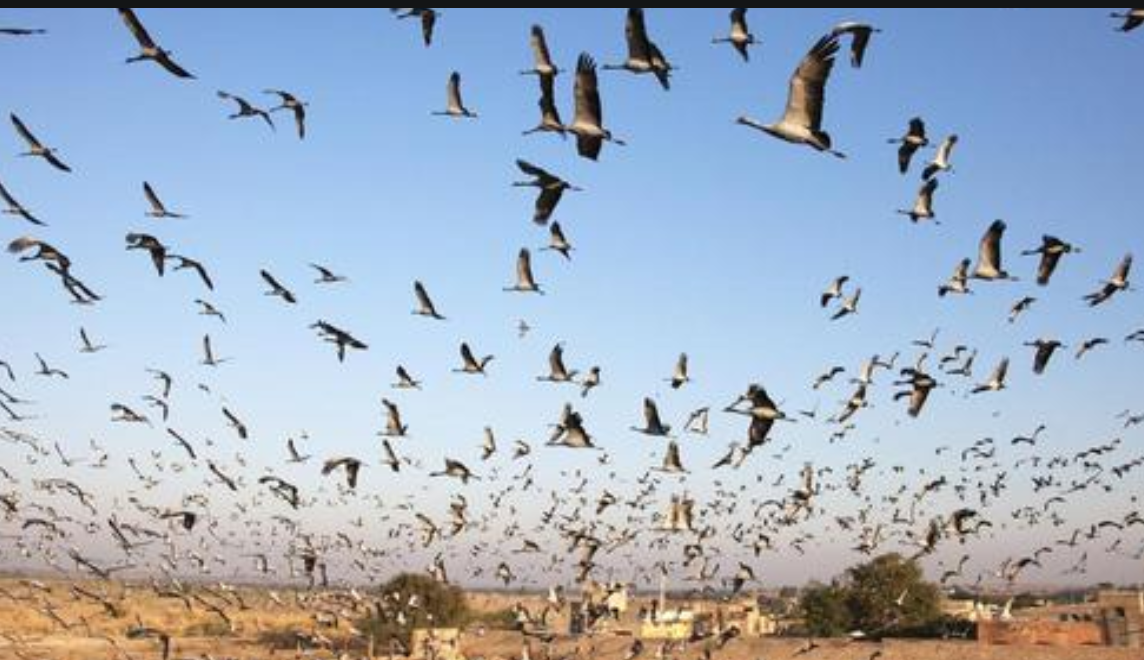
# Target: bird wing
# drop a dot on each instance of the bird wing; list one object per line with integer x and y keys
{"x": 546, "y": 203}
{"x": 428, "y": 20}
{"x": 586, "y": 92}
{"x": 23, "y": 131}
{"x": 453, "y": 93}
{"x": 533, "y": 170}
{"x": 989, "y": 252}
{"x": 524, "y": 269}
{"x": 1123, "y": 268}
{"x": 539, "y": 45}
{"x": 808, "y": 85}
{"x": 423, "y": 298}
{"x": 136, "y": 27}
{"x": 169, "y": 64}
{"x": 153, "y": 199}
{"x": 635, "y": 32}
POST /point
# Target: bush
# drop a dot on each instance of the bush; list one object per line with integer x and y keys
{"x": 825, "y": 611}
{"x": 437, "y": 606}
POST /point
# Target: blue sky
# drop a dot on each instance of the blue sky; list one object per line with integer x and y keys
{"x": 699, "y": 236}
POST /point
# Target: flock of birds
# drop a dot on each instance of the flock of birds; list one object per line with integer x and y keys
{"x": 502, "y": 524}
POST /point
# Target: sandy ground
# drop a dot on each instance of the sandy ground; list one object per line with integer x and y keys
{"x": 505, "y": 645}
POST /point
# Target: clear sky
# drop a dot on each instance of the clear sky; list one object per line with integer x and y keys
{"x": 699, "y": 236}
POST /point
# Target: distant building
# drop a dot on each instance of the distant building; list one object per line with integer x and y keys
{"x": 1112, "y": 618}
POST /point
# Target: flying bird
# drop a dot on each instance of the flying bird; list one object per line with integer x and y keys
{"x": 246, "y": 109}
{"x": 22, "y": 32}
{"x": 551, "y": 189}
{"x": 801, "y": 122}
{"x": 35, "y": 147}
{"x": 558, "y": 242}
{"x": 958, "y": 282}
{"x": 457, "y": 470}
{"x": 914, "y": 139}
{"x": 158, "y": 210}
{"x": 16, "y": 208}
{"x": 425, "y": 305}
{"x": 288, "y": 101}
{"x": 187, "y": 263}
{"x": 653, "y": 425}
{"x": 1051, "y": 251}
{"x": 276, "y": 289}
{"x": 86, "y": 344}
{"x": 644, "y": 56}
{"x": 454, "y": 105}
{"x": 209, "y": 359}
{"x": 941, "y": 161}
{"x": 525, "y": 282}
{"x": 740, "y": 36}
{"x": 1118, "y": 282}
{"x": 550, "y": 121}
{"x": 349, "y": 464}
{"x": 339, "y": 338}
{"x": 470, "y": 364}
{"x": 1042, "y": 354}
{"x": 542, "y": 65}
{"x": 327, "y": 276}
{"x": 428, "y": 20}
{"x": 1133, "y": 18}
{"x": 833, "y": 290}
{"x": 923, "y": 203}
{"x": 148, "y": 49}
{"x": 588, "y": 122}
{"x": 154, "y": 248}
{"x": 996, "y": 381}
{"x": 679, "y": 375}
{"x": 235, "y": 423}
{"x": 989, "y": 265}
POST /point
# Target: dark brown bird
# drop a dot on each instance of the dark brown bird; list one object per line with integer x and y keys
{"x": 153, "y": 246}
{"x": 1051, "y": 251}
{"x": 914, "y": 139}
{"x": 351, "y": 466}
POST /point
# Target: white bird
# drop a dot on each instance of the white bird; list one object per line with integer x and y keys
{"x": 941, "y": 163}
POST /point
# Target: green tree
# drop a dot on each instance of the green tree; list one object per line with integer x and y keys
{"x": 824, "y": 610}
{"x": 886, "y": 596}
{"x": 890, "y": 594}
{"x": 413, "y": 600}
